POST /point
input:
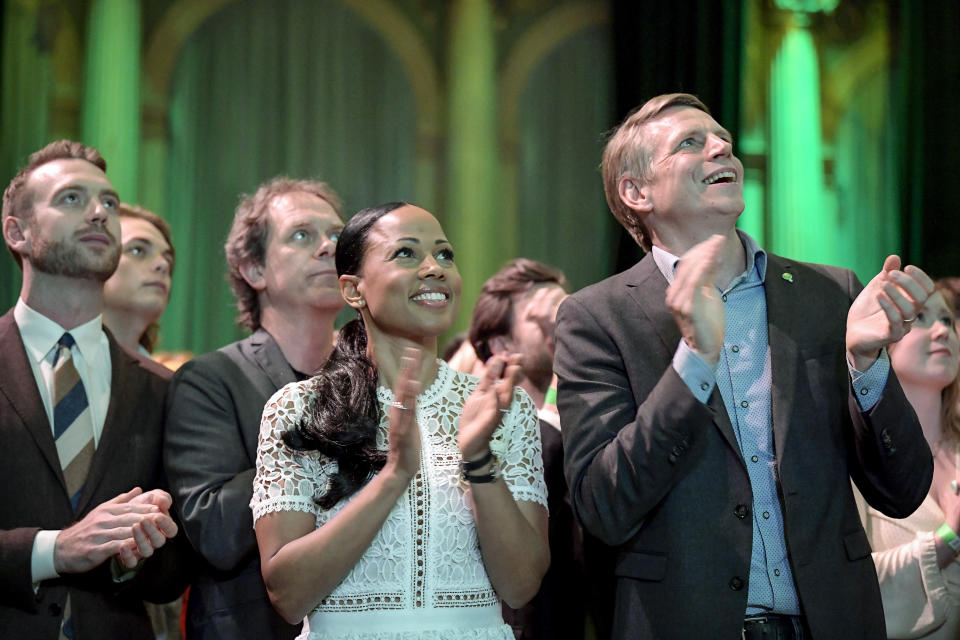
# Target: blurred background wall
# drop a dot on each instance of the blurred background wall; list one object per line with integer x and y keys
{"x": 492, "y": 114}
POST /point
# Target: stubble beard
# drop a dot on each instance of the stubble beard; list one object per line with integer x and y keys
{"x": 540, "y": 372}
{"x": 59, "y": 258}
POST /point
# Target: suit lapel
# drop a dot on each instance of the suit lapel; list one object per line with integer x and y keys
{"x": 648, "y": 288}
{"x": 119, "y": 420}
{"x": 266, "y": 353}
{"x": 784, "y": 294}
{"x": 20, "y": 389}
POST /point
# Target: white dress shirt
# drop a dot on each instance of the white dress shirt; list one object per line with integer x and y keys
{"x": 91, "y": 357}
{"x": 552, "y": 418}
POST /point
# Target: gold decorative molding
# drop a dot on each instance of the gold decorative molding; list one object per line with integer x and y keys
{"x": 167, "y": 40}
{"x": 184, "y": 17}
{"x": 541, "y": 39}
{"x": 402, "y": 37}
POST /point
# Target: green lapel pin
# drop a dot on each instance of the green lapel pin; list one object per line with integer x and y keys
{"x": 786, "y": 275}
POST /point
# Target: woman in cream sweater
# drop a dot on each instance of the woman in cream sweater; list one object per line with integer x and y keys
{"x": 916, "y": 558}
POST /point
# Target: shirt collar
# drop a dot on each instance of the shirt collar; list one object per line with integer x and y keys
{"x": 756, "y": 258}
{"x": 40, "y": 333}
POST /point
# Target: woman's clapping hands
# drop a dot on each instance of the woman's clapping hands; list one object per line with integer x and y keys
{"x": 485, "y": 407}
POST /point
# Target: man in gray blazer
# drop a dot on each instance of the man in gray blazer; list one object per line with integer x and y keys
{"x": 717, "y": 399}
{"x": 280, "y": 251}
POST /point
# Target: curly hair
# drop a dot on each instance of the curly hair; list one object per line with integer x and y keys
{"x": 247, "y": 240}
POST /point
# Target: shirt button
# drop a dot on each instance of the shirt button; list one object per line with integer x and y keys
{"x": 864, "y": 391}
{"x": 754, "y": 459}
{"x": 776, "y": 572}
{"x": 724, "y": 297}
{"x": 744, "y": 404}
{"x": 766, "y": 515}
{"x": 704, "y": 386}
{"x": 735, "y": 349}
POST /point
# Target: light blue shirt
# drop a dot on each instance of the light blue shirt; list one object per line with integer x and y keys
{"x": 743, "y": 376}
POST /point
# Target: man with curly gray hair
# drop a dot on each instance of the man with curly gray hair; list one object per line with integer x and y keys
{"x": 280, "y": 253}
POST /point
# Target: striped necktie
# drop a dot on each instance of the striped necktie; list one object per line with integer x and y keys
{"x": 73, "y": 432}
{"x": 72, "y": 423}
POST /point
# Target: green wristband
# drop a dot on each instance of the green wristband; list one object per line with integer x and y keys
{"x": 551, "y": 397}
{"x": 948, "y": 535}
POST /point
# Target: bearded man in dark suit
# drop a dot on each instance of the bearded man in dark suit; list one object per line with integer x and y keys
{"x": 716, "y": 401}
{"x": 85, "y": 527}
{"x": 516, "y": 313}
{"x": 280, "y": 251}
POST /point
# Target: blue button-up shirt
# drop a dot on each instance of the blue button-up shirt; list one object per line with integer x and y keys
{"x": 743, "y": 376}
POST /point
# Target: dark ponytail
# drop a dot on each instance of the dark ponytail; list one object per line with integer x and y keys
{"x": 344, "y": 414}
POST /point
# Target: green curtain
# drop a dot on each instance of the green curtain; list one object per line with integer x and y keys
{"x": 925, "y": 92}
{"x": 663, "y": 47}
{"x": 478, "y": 227}
{"x": 111, "y": 93}
{"x": 565, "y": 107}
{"x": 27, "y": 81}
{"x": 293, "y": 87}
{"x": 867, "y": 222}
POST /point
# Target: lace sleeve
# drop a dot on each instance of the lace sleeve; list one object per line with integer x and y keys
{"x": 521, "y": 458}
{"x": 286, "y": 479}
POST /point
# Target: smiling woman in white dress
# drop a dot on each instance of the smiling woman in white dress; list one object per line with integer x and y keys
{"x": 395, "y": 497}
{"x": 916, "y": 558}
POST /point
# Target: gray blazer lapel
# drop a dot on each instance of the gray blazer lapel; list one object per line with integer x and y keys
{"x": 648, "y": 288}
{"x": 785, "y": 300}
{"x": 20, "y": 389}
{"x": 267, "y": 354}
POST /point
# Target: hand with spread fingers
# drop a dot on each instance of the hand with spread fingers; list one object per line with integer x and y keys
{"x": 404, "y": 453}
{"x": 693, "y": 299}
{"x": 484, "y": 408}
{"x": 884, "y": 310}
{"x": 542, "y": 310}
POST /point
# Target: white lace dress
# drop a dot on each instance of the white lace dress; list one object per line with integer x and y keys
{"x": 422, "y": 576}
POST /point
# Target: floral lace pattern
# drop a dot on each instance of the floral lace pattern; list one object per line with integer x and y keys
{"x": 426, "y": 554}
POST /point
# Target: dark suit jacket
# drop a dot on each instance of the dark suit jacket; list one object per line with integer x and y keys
{"x": 659, "y": 475}
{"x": 210, "y": 449}
{"x": 34, "y": 498}
{"x": 557, "y": 611}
